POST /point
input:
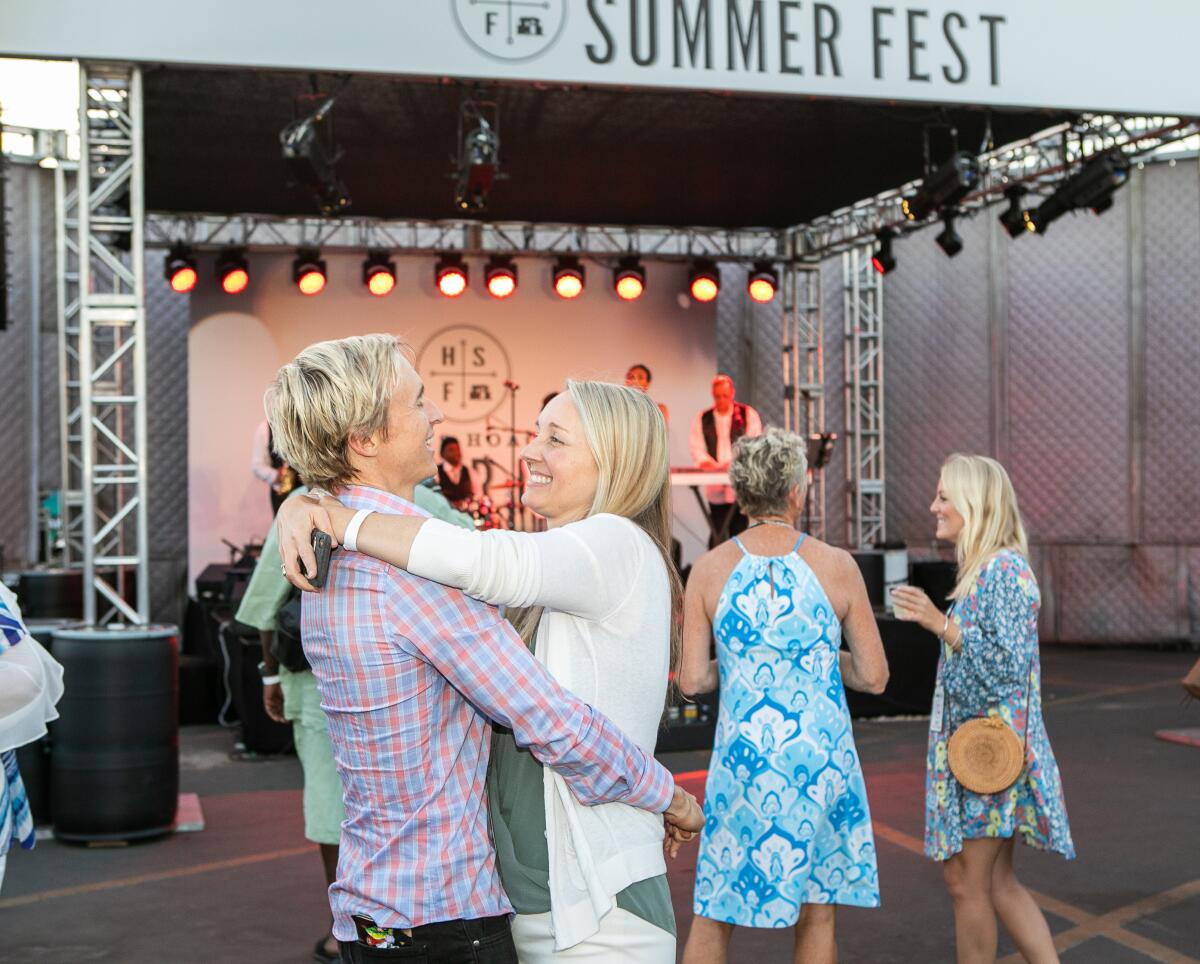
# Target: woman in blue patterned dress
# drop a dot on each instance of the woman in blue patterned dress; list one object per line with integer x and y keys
{"x": 989, "y": 666}
{"x": 787, "y": 829}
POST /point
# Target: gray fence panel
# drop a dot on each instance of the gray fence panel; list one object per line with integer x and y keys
{"x": 15, "y": 375}
{"x": 167, "y": 321}
{"x": 935, "y": 312}
{"x": 1068, "y": 377}
{"x": 1118, "y": 594}
{"x": 1171, "y": 506}
{"x": 732, "y": 356}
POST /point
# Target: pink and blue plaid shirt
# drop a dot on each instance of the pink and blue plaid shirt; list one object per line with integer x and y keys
{"x": 410, "y": 673}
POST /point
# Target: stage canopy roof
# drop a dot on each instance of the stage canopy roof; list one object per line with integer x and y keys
{"x": 569, "y": 154}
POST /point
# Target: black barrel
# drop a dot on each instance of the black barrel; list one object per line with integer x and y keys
{"x": 115, "y": 770}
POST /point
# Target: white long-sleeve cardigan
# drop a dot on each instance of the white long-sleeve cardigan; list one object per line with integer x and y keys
{"x": 605, "y": 635}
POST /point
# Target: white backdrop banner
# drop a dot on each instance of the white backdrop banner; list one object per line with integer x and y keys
{"x": 1106, "y": 55}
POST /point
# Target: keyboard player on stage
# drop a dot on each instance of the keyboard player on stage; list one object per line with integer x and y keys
{"x": 714, "y": 431}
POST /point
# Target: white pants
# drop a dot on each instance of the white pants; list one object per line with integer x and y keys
{"x": 623, "y": 937}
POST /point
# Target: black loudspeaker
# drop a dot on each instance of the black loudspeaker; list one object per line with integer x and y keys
{"x": 937, "y": 578}
{"x": 870, "y": 562}
{"x": 260, "y": 733}
{"x": 51, "y": 594}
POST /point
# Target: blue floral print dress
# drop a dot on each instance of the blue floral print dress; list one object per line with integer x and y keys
{"x": 991, "y": 674}
{"x": 786, "y": 817}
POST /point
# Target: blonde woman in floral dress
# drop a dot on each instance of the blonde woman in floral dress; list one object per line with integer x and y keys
{"x": 989, "y": 666}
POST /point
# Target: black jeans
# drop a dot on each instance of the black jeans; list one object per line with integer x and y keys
{"x": 485, "y": 940}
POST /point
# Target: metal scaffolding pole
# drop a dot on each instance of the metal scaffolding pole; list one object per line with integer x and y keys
{"x": 804, "y": 374}
{"x": 866, "y": 519}
{"x": 66, "y": 223}
{"x": 102, "y": 362}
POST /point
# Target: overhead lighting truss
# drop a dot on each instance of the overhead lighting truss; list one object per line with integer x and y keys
{"x": 1038, "y": 163}
{"x": 602, "y": 242}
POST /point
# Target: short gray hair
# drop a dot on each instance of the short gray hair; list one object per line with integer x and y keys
{"x": 766, "y": 468}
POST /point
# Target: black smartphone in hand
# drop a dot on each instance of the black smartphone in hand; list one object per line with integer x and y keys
{"x": 322, "y": 547}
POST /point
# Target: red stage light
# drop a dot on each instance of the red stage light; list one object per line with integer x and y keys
{"x": 704, "y": 289}
{"x": 308, "y": 271}
{"x": 630, "y": 287}
{"x": 379, "y": 274}
{"x": 629, "y": 279}
{"x": 501, "y": 285}
{"x": 762, "y": 284}
{"x": 501, "y": 277}
{"x": 452, "y": 282}
{"x": 381, "y": 283}
{"x": 568, "y": 278}
{"x": 703, "y": 281}
{"x": 235, "y": 280}
{"x": 184, "y": 279}
{"x": 883, "y": 260}
{"x": 761, "y": 290}
{"x": 233, "y": 274}
{"x": 180, "y": 269}
{"x": 568, "y": 286}
{"x": 450, "y": 275}
{"x": 311, "y": 282}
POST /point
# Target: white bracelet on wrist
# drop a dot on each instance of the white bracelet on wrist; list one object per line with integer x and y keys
{"x": 350, "y": 540}
{"x": 270, "y": 680}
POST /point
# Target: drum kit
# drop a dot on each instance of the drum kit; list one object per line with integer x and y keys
{"x": 484, "y": 511}
{"x": 500, "y": 507}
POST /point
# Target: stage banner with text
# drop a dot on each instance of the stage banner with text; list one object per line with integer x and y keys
{"x": 1104, "y": 55}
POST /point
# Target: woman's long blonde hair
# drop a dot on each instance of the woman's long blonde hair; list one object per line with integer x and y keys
{"x": 627, "y": 436}
{"x": 981, "y": 491}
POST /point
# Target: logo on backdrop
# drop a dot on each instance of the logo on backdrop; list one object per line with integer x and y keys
{"x": 464, "y": 370}
{"x": 511, "y": 29}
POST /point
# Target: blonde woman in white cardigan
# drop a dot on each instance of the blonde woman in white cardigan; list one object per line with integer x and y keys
{"x": 595, "y": 596}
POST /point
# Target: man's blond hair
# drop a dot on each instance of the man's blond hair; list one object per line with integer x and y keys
{"x": 331, "y": 392}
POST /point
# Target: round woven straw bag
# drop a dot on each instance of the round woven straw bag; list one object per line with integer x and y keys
{"x": 985, "y": 755}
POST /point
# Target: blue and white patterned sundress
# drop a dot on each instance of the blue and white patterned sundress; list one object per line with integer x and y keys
{"x": 786, "y": 816}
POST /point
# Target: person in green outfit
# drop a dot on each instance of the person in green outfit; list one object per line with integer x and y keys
{"x": 292, "y": 697}
{"x": 595, "y": 596}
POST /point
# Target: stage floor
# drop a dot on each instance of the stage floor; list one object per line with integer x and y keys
{"x": 248, "y": 887}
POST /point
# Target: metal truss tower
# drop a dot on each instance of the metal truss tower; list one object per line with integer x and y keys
{"x": 866, "y": 482}
{"x": 102, "y": 349}
{"x": 804, "y": 374}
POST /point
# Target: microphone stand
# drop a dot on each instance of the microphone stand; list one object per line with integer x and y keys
{"x": 512, "y": 455}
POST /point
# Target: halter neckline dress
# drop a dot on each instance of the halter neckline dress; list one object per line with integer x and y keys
{"x": 786, "y": 815}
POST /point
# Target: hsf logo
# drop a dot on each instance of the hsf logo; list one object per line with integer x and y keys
{"x": 511, "y": 30}
{"x": 466, "y": 372}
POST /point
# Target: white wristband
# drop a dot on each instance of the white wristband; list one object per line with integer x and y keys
{"x": 270, "y": 680}
{"x": 350, "y": 541}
